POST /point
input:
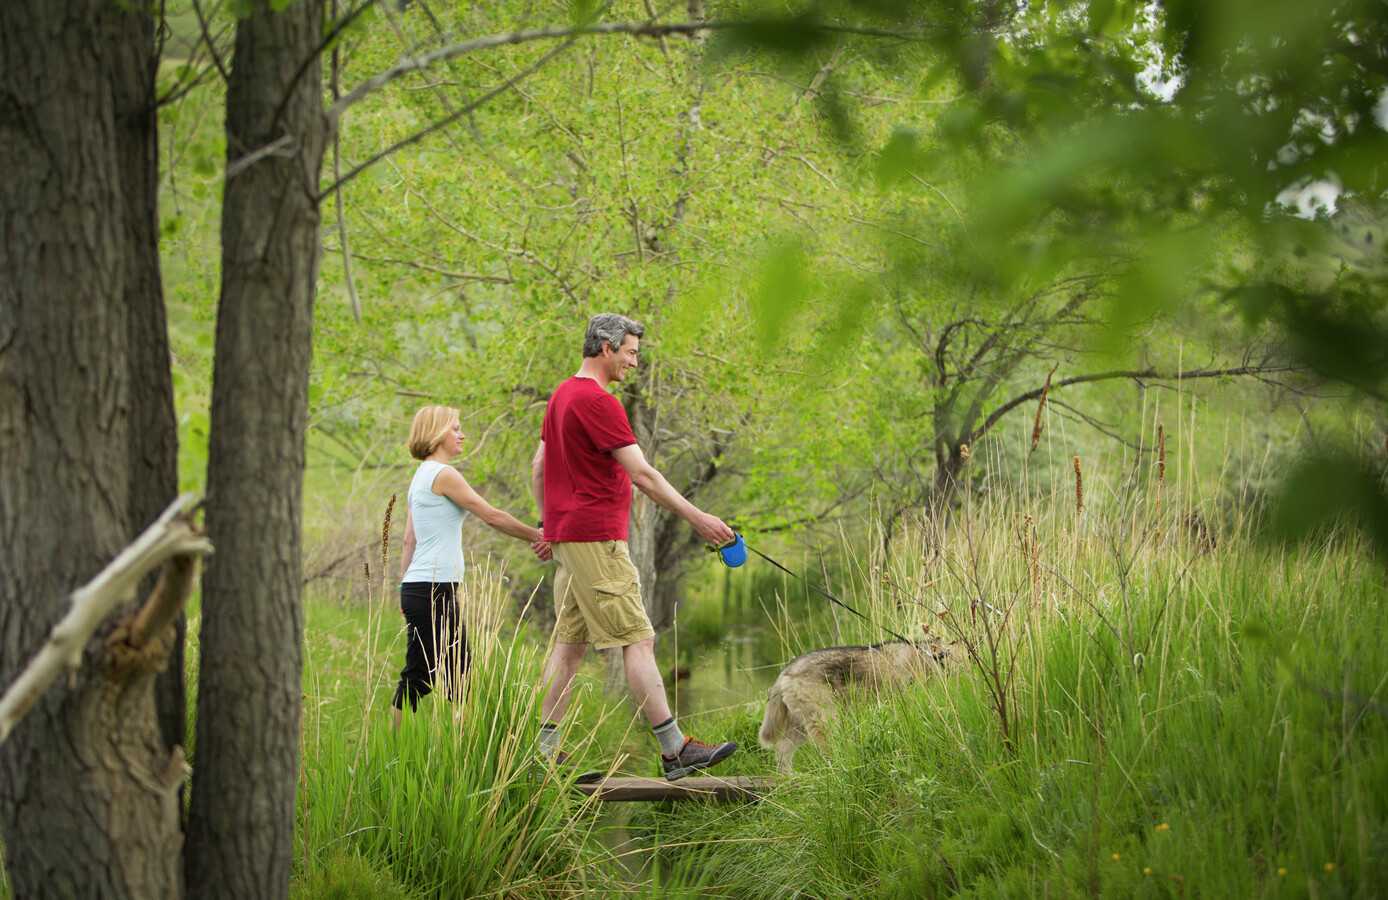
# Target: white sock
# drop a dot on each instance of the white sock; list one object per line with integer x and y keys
{"x": 670, "y": 737}
{"x": 548, "y": 741}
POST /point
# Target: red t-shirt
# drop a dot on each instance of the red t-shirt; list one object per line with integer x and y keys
{"x": 587, "y": 492}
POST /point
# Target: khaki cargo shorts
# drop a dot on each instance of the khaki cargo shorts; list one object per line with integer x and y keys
{"x": 597, "y": 595}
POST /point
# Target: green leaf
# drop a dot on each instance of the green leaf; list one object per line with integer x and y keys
{"x": 781, "y": 291}
{"x": 897, "y": 158}
{"x": 581, "y": 11}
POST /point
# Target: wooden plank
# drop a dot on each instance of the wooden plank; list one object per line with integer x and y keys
{"x": 735, "y": 789}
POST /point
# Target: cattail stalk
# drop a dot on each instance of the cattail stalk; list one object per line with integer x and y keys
{"x": 1079, "y": 488}
{"x": 1040, "y": 408}
{"x": 385, "y": 534}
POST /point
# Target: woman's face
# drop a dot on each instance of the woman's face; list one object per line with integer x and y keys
{"x": 452, "y": 443}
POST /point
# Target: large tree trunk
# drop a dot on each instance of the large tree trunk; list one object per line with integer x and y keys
{"x": 153, "y": 431}
{"x": 241, "y": 823}
{"x": 86, "y": 806}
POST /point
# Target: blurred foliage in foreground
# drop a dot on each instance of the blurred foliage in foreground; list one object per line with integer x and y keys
{"x": 1214, "y": 151}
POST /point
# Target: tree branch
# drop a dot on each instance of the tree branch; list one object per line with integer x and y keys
{"x": 635, "y": 29}
{"x": 449, "y": 119}
{"x": 172, "y": 535}
{"x": 1136, "y": 375}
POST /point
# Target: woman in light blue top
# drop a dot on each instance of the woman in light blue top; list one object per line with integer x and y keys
{"x": 432, "y": 557}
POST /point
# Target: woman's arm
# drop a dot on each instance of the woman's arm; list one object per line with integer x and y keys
{"x": 537, "y": 478}
{"x": 451, "y": 484}
{"x": 407, "y": 547}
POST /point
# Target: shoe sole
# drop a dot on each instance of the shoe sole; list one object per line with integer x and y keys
{"x": 677, "y": 774}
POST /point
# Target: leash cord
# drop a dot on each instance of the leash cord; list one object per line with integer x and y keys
{"x": 826, "y": 594}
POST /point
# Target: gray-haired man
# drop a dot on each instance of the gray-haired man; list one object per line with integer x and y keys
{"x": 582, "y": 473}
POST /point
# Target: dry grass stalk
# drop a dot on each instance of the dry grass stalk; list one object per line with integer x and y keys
{"x": 1079, "y": 488}
{"x": 1040, "y": 408}
{"x": 1031, "y": 551}
{"x": 1161, "y": 473}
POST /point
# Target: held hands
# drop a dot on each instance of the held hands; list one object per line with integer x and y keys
{"x": 542, "y": 550}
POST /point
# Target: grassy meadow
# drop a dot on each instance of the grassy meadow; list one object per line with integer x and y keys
{"x": 1159, "y": 703}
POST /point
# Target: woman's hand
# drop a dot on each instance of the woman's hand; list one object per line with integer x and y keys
{"x": 542, "y": 550}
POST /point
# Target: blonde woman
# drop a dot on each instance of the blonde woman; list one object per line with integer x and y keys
{"x": 432, "y": 556}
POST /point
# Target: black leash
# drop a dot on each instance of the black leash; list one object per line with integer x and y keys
{"x": 826, "y": 594}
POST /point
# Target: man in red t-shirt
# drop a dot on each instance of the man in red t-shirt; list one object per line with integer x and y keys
{"x": 582, "y": 473}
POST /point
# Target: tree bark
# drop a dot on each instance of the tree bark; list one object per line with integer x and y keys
{"x": 241, "y": 822}
{"x": 153, "y": 427}
{"x": 86, "y": 797}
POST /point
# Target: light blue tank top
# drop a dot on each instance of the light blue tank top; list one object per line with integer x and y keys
{"x": 438, "y": 530}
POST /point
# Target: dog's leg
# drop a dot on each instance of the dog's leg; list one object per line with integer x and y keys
{"x": 774, "y": 721}
{"x": 785, "y": 751}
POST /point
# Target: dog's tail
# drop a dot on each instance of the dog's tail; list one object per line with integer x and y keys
{"x": 774, "y": 722}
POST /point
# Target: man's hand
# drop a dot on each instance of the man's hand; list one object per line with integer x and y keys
{"x": 712, "y": 529}
{"x": 542, "y": 550}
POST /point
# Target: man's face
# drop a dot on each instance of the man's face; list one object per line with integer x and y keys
{"x": 624, "y": 358}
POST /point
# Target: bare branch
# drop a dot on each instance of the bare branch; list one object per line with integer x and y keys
{"x": 210, "y": 41}
{"x": 450, "y": 118}
{"x": 1134, "y": 374}
{"x": 635, "y": 29}
{"x": 282, "y": 146}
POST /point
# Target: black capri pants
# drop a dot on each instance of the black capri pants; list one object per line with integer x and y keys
{"x": 437, "y": 642}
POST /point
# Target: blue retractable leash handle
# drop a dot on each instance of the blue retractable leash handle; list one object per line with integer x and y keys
{"x": 734, "y": 553}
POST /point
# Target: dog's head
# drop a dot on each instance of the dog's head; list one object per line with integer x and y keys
{"x": 947, "y": 654}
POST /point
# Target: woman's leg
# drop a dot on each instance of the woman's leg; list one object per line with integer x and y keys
{"x": 452, "y": 655}
{"x": 416, "y": 678}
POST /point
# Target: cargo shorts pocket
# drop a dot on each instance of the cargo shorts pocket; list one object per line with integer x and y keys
{"x": 619, "y": 605}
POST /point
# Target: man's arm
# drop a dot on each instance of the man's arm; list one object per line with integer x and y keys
{"x": 537, "y": 478}
{"x": 653, "y": 485}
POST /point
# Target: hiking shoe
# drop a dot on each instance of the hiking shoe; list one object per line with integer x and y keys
{"x": 695, "y": 755}
{"x": 566, "y": 768}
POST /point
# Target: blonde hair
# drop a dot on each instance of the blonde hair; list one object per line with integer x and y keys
{"x": 431, "y": 425}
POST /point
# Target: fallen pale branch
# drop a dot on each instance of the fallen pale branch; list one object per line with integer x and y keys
{"x": 173, "y": 535}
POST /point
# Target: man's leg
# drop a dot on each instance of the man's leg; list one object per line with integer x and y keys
{"x": 559, "y": 674}
{"x": 643, "y": 677}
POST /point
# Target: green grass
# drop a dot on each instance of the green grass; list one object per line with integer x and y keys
{"x": 451, "y": 804}
{"x": 1180, "y": 722}
{"x": 1224, "y": 751}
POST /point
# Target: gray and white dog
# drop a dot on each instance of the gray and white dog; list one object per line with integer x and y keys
{"x": 802, "y": 697}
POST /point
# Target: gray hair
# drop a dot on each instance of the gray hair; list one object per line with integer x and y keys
{"x": 609, "y": 328}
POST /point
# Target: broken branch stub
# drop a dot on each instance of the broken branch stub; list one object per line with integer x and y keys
{"x": 172, "y": 536}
